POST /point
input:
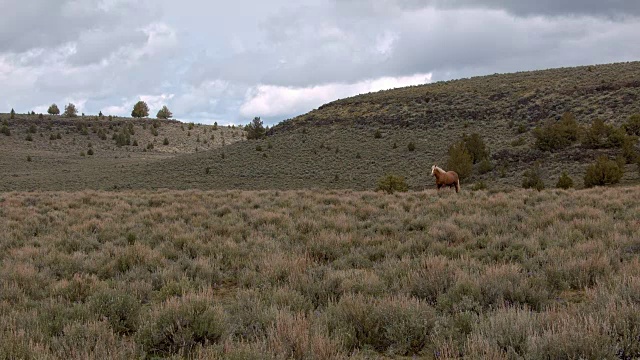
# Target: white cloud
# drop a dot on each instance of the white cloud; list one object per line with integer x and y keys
{"x": 272, "y": 100}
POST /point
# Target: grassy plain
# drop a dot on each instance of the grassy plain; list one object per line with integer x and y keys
{"x": 320, "y": 274}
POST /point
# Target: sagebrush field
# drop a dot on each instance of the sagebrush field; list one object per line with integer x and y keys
{"x": 320, "y": 275}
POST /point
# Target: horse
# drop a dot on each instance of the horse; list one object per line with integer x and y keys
{"x": 445, "y": 178}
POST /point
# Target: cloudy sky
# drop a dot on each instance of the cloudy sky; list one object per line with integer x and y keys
{"x": 228, "y": 61}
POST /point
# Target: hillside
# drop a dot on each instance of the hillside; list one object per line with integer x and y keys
{"x": 334, "y": 146}
{"x": 54, "y": 152}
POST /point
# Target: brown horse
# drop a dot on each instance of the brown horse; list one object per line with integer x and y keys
{"x": 445, "y": 178}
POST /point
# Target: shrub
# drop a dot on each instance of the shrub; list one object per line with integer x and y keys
{"x": 485, "y": 166}
{"x": 5, "y": 130}
{"x": 601, "y": 135}
{"x": 532, "y": 180}
{"x": 70, "y": 110}
{"x": 632, "y": 126}
{"x": 165, "y": 141}
{"x": 164, "y": 113}
{"x": 140, "y": 110}
{"x": 480, "y": 185}
{"x": 377, "y": 134}
{"x": 460, "y": 160}
{"x": 557, "y": 135}
{"x": 119, "y": 308}
{"x": 522, "y": 128}
{"x": 565, "y": 181}
{"x": 603, "y": 172}
{"x": 179, "y": 325}
{"x": 12, "y": 114}
{"x": 396, "y": 325}
{"x": 629, "y": 150}
{"x": 149, "y": 146}
{"x": 32, "y": 129}
{"x": 411, "y": 146}
{"x": 476, "y": 147}
{"x": 258, "y": 148}
{"x": 154, "y": 131}
{"x": 58, "y": 136}
{"x": 392, "y": 183}
{"x": 29, "y": 138}
{"x": 90, "y": 152}
{"x": 518, "y": 142}
{"x": 135, "y": 142}
{"x": 28, "y": 158}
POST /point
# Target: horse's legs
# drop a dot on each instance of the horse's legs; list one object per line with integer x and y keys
{"x": 439, "y": 186}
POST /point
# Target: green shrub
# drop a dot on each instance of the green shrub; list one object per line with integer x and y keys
{"x": 518, "y": 142}
{"x": 476, "y": 147}
{"x": 135, "y": 142}
{"x": 121, "y": 310}
{"x": 480, "y": 185}
{"x": 90, "y": 152}
{"x": 603, "y": 172}
{"x": 485, "y": 166}
{"x": 150, "y": 146}
{"x": 179, "y": 325}
{"x": 632, "y": 126}
{"x": 377, "y": 134}
{"x": 565, "y": 181}
{"x": 460, "y": 160}
{"x": 532, "y": 180}
{"x": 29, "y": 158}
{"x": 522, "y": 128}
{"x": 393, "y": 325}
{"x": 557, "y": 135}
{"x": 58, "y": 136}
{"x": 5, "y": 130}
{"x": 32, "y": 129}
{"x": 165, "y": 141}
{"x": 29, "y": 138}
{"x": 629, "y": 149}
{"x": 12, "y": 114}
{"x": 154, "y": 131}
{"x": 411, "y": 146}
{"x": 392, "y": 183}
{"x": 601, "y": 135}
{"x": 258, "y": 147}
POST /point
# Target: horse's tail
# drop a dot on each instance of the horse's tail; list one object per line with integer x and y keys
{"x": 458, "y": 185}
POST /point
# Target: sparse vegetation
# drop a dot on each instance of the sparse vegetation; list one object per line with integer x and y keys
{"x": 165, "y": 141}
{"x": 144, "y": 274}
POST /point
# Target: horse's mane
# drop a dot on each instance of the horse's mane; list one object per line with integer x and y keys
{"x": 439, "y": 169}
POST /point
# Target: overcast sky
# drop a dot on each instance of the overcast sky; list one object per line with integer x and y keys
{"x": 228, "y": 61}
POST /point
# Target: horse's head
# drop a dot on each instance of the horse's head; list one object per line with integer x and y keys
{"x": 433, "y": 170}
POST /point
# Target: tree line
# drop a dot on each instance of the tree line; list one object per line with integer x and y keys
{"x": 140, "y": 110}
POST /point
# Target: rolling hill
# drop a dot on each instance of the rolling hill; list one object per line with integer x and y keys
{"x": 334, "y": 146}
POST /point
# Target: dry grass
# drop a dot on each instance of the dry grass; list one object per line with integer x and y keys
{"x": 320, "y": 275}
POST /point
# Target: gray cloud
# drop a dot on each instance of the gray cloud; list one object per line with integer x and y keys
{"x": 207, "y": 61}
{"x": 597, "y": 8}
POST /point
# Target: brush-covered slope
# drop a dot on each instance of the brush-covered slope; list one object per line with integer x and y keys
{"x": 335, "y": 147}
{"x": 59, "y": 153}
